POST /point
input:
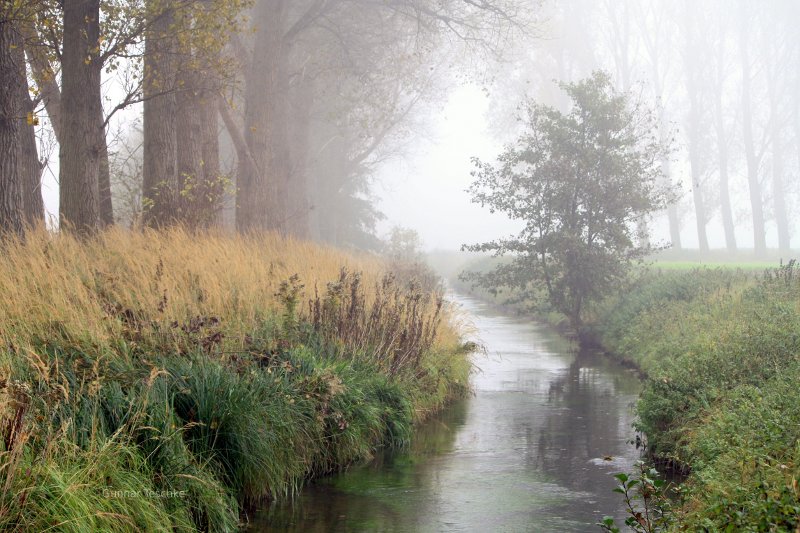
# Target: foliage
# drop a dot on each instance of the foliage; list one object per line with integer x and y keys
{"x": 397, "y": 328}
{"x": 197, "y": 203}
{"x": 144, "y": 396}
{"x": 646, "y": 501}
{"x": 403, "y": 249}
{"x": 720, "y": 349}
{"x": 404, "y": 245}
{"x": 579, "y": 181}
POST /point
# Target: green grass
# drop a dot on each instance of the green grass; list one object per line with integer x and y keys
{"x": 123, "y": 410}
{"x": 721, "y": 350}
{"x": 691, "y": 265}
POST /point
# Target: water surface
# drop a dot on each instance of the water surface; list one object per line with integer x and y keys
{"x": 533, "y": 450}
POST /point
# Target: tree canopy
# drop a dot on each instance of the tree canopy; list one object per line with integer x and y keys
{"x": 579, "y": 181}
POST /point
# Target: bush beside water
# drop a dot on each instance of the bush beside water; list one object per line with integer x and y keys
{"x": 721, "y": 352}
{"x": 168, "y": 381}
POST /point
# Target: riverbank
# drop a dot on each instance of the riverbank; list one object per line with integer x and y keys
{"x": 719, "y": 354}
{"x": 169, "y": 381}
{"x": 531, "y": 449}
{"x": 721, "y": 351}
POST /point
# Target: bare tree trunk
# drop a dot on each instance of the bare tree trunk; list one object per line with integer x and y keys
{"x": 11, "y": 110}
{"x": 198, "y": 149}
{"x": 79, "y": 151}
{"x": 245, "y": 163}
{"x": 759, "y": 235}
{"x": 160, "y": 178}
{"x": 299, "y": 200}
{"x": 104, "y": 177}
{"x": 188, "y": 148}
{"x": 776, "y": 140}
{"x": 724, "y": 186}
{"x": 44, "y": 76}
{"x": 213, "y": 188}
{"x": 695, "y": 139}
{"x": 30, "y": 167}
{"x": 699, "y": 207}
{"x": 280, "y": 168}
{"x": 672, "y": 210}
{"x": 260, "y": 190}
{"x": 778, "y": 191}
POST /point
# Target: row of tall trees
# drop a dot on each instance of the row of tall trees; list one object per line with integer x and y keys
{"x": 307, "y": 97}
{"x": 724, "y": 77}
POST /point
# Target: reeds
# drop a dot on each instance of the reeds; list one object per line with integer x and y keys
{"x": 396, "y": 327}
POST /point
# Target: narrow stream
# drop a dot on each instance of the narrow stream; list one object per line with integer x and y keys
{"x": 534, "y": 449}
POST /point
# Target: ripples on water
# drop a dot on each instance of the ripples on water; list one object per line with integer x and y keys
{"x": 533, "y": 450}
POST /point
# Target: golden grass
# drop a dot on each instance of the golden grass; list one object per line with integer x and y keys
{"x": 87, "y": 293}
{"x": 233, "y": 334}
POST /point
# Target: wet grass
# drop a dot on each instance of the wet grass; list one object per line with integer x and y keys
{"x": 721, "y": 349}
{"x": 170, "y": 381}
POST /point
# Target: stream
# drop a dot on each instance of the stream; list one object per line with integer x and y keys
{"x": 534, "y": 449}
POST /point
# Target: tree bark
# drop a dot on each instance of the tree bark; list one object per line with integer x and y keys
{"x": 188, "y": 150}
{"x": 30, "y": 167}
{"x": 44, "y": 76}
{"x": 11, "y": 111}
{"x": 672, "y": 209}
{"x": 104, "y": 177}
{"x": 695, "y": 139}
{"x": 262, "y": 186}
{"x": 699, "y": 205}
{"x": 299, "y": 200}
{"x": 213, "y": 186}
{"x": 198, "y": 147}
{"x": 80, "y": 150}
{"x": 753, "y": 160}
{"x": 778, "y": 190}
{"x": 160, "y": 178}
{"x": 724, "y": 185}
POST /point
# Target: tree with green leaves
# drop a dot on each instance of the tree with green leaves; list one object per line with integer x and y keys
{"x": 579, "y": 182}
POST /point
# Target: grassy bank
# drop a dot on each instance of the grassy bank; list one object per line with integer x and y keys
{"x": 168, "y": 381}
{"x": 721, "y": 351}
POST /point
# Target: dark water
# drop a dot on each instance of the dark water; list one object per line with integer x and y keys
{"x": 528, "y": 452}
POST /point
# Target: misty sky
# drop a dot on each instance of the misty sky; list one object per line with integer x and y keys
{"x": 426, "y": 191}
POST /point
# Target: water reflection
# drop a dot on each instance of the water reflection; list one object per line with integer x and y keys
{"x": 533, "y": 450}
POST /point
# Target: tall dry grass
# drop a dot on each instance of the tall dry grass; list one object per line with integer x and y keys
{"x": 120, "y": 284}
{"x": 229, "y": 368}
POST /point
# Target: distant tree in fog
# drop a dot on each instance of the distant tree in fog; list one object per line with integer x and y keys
{"x": 327, "y": 86}
{"x": 580, "y": 181}
{"x": 404, "y": 244}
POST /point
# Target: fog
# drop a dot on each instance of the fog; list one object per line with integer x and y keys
{"x": 339, "y": 120}
{"x": 426, "y": 191}
{"x": 685, "y": 59}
